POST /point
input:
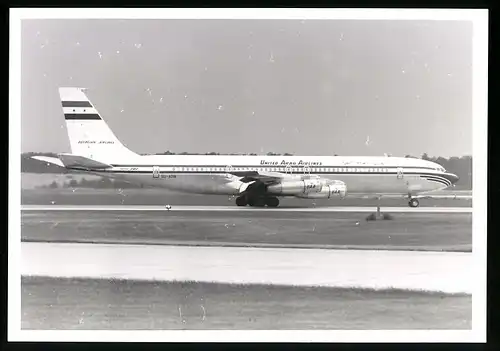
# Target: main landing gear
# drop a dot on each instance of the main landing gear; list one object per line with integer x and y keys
{"x": 413, "y": 203}
{"x": 257, "y": 201}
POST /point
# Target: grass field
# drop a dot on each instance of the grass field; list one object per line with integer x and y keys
{"x": 414, "y": 231}
{"x": 51, "y": 303}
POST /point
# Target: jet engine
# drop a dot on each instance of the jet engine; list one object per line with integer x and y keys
{"x": 309, "y": 188}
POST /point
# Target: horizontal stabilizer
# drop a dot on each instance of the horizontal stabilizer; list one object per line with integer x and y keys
{"x": 53, "y": 160}
{"x": 74, "y": 161}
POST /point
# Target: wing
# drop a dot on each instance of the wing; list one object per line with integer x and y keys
{"x": 267, "y": 177}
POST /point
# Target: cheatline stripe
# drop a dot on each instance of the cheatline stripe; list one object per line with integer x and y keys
{"x": 270, "y": 166}
{"x": 250, "y": 173}
{"x": 437, "y": 177}
{"x": 438, "y": 180}
{"x": 76, "y": 104}
{"x": 79, "y": 116}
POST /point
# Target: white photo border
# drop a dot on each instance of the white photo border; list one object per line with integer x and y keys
{"x": 479, "y": 18}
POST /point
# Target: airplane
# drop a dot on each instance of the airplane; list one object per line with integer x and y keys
{"x": 256, "y": 181}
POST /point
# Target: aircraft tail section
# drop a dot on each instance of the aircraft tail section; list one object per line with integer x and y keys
{"x": 89, "y": 134}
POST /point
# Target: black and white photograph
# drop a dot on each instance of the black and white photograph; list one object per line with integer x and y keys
{"x": 247, "y": 175}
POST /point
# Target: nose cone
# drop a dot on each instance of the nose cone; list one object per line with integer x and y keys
{"x": 453, "y": 178}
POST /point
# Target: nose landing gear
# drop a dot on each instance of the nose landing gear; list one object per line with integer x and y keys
{"x": 413, "y": 203}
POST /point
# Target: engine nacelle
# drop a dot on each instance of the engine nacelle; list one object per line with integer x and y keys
{"x": 327, "y": 192}
{"x": 309, "y": 188}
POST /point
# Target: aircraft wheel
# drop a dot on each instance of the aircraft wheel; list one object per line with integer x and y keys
{"x": 256, "y": 202}
{"x": 272, "y": 202}
{"x": 413, "y": 203}
{"x": 241, "y": 201}
{"x": 260, "y": 202}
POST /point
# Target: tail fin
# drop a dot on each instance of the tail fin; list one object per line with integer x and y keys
{"x": 89, "y": 135}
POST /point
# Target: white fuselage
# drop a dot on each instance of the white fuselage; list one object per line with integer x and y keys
{"x": 217, "y": 174}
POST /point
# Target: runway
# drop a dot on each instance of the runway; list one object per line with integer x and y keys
{"x": 430, "y": 271}
{"x": 247, "y": 209}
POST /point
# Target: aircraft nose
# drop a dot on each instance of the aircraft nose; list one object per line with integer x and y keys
{"x": 453, "y": 178}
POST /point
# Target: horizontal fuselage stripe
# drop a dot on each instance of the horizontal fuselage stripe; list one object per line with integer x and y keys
{"x": 437, "y": 179}
{"x": 82, "y": 116}
{"x": 76, "y": 104}
{"x": 272, "y": 167}
{"x": 249, "y": 173}
{"x": 438, "y": 176}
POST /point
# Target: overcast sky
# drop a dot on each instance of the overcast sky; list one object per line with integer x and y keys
{"x": 306, "y": 87}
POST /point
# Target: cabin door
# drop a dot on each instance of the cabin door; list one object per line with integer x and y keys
{"x": 400, "y": 173}
{"x": 156, "y": 172}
